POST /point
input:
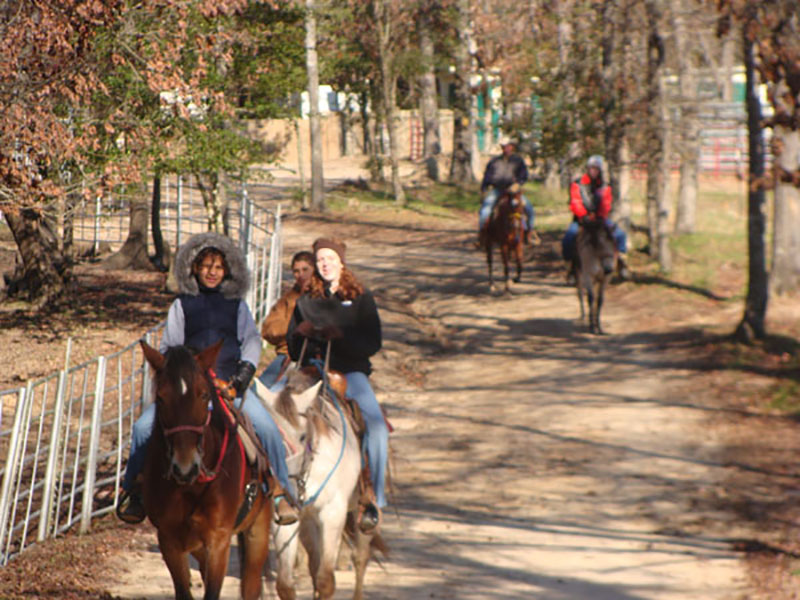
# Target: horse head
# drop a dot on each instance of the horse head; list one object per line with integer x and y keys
{"x": 602, "y": 243}
{"x": 185, "y": 399}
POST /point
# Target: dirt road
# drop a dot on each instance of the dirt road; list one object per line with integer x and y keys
{"x": 530, "y": 459}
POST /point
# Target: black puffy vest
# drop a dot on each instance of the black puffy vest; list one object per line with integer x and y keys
{"x": 208, "y": 318}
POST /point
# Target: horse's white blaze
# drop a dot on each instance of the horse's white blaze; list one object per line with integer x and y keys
{"x": 184, "y": 387}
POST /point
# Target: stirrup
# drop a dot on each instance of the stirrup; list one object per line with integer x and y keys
{"x": 130, "y": 508}
{"x": 370, "y": 518}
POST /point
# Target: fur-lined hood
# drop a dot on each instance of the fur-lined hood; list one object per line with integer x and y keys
{"x": 234, "y": 286}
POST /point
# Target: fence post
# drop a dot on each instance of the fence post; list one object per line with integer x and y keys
{"x": 179, "y": 213}
{"x": 11, "y": 469}
{"x": 94, "y": 444}
{"x": 96, "y": 224}
{"x": 272, "y": 263}
{"x": 46, "y": 515}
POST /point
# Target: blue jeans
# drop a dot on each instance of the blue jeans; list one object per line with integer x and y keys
{"x": 376, "y": 438}
{"x": 488, "y": 204}
{"x": 266, "y": 430}
{"x": 568, "y": 241}
{"x": 270, "y": 374}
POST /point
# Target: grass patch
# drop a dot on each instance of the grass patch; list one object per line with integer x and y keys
{"x": 785, "y": 397}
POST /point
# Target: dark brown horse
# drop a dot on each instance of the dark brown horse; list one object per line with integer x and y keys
{"x": 596, "y": 257}
{"x": 198, "y": 488}
{"x": 506, "y": 230}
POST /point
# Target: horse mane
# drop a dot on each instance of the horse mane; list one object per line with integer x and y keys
{"x": 297, "y": 382}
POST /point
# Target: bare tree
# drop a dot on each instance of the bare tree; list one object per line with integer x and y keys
{"x": 755, "y": 307}
{"x": 463, "y": 124}
{"x": 689, "y": 124}
{"x": 312, "y": 68}
{"x": 385, "y": 19}
{"x": 657, "y": 141}
{"x": 429, "y": 104}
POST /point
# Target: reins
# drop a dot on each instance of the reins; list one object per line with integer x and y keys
{"x": 323, "y": 369}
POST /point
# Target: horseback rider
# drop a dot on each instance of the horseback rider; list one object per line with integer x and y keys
{"x": 336, "y": 307}
{"x": 212, "y": 280}
{"x": 505, "y": 172}
{"x": 275, "y": 326}
{"x": 590, "y": 198}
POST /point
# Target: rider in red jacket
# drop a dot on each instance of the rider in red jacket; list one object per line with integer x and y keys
{"x": 590, "y": 198}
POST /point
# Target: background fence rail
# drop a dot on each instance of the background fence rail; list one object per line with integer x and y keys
{"x": 66, "y": 447}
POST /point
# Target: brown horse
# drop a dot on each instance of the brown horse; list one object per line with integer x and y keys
{"x": 506, "y": 230}
{"x": 198, "y": 488}
{"x": 596, "y": 257}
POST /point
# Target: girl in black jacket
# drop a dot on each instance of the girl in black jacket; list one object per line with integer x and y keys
{"x": 337, "y": 308}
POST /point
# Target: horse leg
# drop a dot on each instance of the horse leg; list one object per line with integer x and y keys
{"x": 286, "y": 551}
{"x": 331, "y": 525}
{"x": 216, "y": 564}
{"x": 177, "y": 561}
{"x": 489, "y": 263}
{"x": 579, "y": 288}
{"x": 590, "y": 297}
{"x": 254, "y": 544}
{"x": 361, "y": 554}
{"x": 600, "y": 292}
{"x": 505, "y": 251}
{"x": 518, "y": 257}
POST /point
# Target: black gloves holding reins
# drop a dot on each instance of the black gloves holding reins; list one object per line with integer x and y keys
{"x": 243, "y": 376}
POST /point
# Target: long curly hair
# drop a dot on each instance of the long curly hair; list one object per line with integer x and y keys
{"x": 349, "y": 288}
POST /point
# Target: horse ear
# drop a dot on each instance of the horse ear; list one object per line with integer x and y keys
{"x": 153, "y": 356}
{"x": 208, "y": 357}
{"x": 304, "y": 399}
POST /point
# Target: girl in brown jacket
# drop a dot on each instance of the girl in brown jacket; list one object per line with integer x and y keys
{"x": 275, "y": 326}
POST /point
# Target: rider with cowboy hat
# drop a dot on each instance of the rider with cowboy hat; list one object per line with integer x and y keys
{"x": 504, "y": 172}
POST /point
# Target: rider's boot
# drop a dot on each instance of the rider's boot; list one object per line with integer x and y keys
{"x": 130, "y": 507}
{"x": 370, "y": 513}
{"x": 622, "y": 268}
{"x": 569, "y": 265}
{"x": 482, "y": 235}
{"x": 285, "y": 512}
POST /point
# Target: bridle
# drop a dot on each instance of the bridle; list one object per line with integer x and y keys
{"x": 206, "y": 476}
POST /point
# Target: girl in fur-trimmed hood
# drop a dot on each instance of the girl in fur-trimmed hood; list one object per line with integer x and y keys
{"x": 212, "y": 279}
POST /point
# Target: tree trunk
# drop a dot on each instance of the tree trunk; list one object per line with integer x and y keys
{"x": 159, "y": 259}
{"x": 786, "y": 239}
{"x": 755, "y": 307}
{"x": 44, "y": 277}
{"x": 389, "y": 86}
{"x": 376, "y": 136}
{"x": 689, "y": 151}
{"x": 317, "y": 181}
{"x": 428, "y": 96}
{"x": 657, "y": 201}
{"x": 208, "y": 184}
{"x": 461, "y": 166}
{"x": 133, "y": 254}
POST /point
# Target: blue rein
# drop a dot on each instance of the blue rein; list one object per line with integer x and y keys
{"x": 327, "y": 388}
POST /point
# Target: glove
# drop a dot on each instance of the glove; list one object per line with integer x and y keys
{"x": 330, "y": 332}
{"x": 513, "y": 188}
{"x": 306, "y": 329}
{"x": 241, "y": 379}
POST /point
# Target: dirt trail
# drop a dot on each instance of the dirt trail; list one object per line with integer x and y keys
{"x": 530, "y": 459}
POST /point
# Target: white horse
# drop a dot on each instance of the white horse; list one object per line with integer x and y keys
{"x": 327, "y": 465}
